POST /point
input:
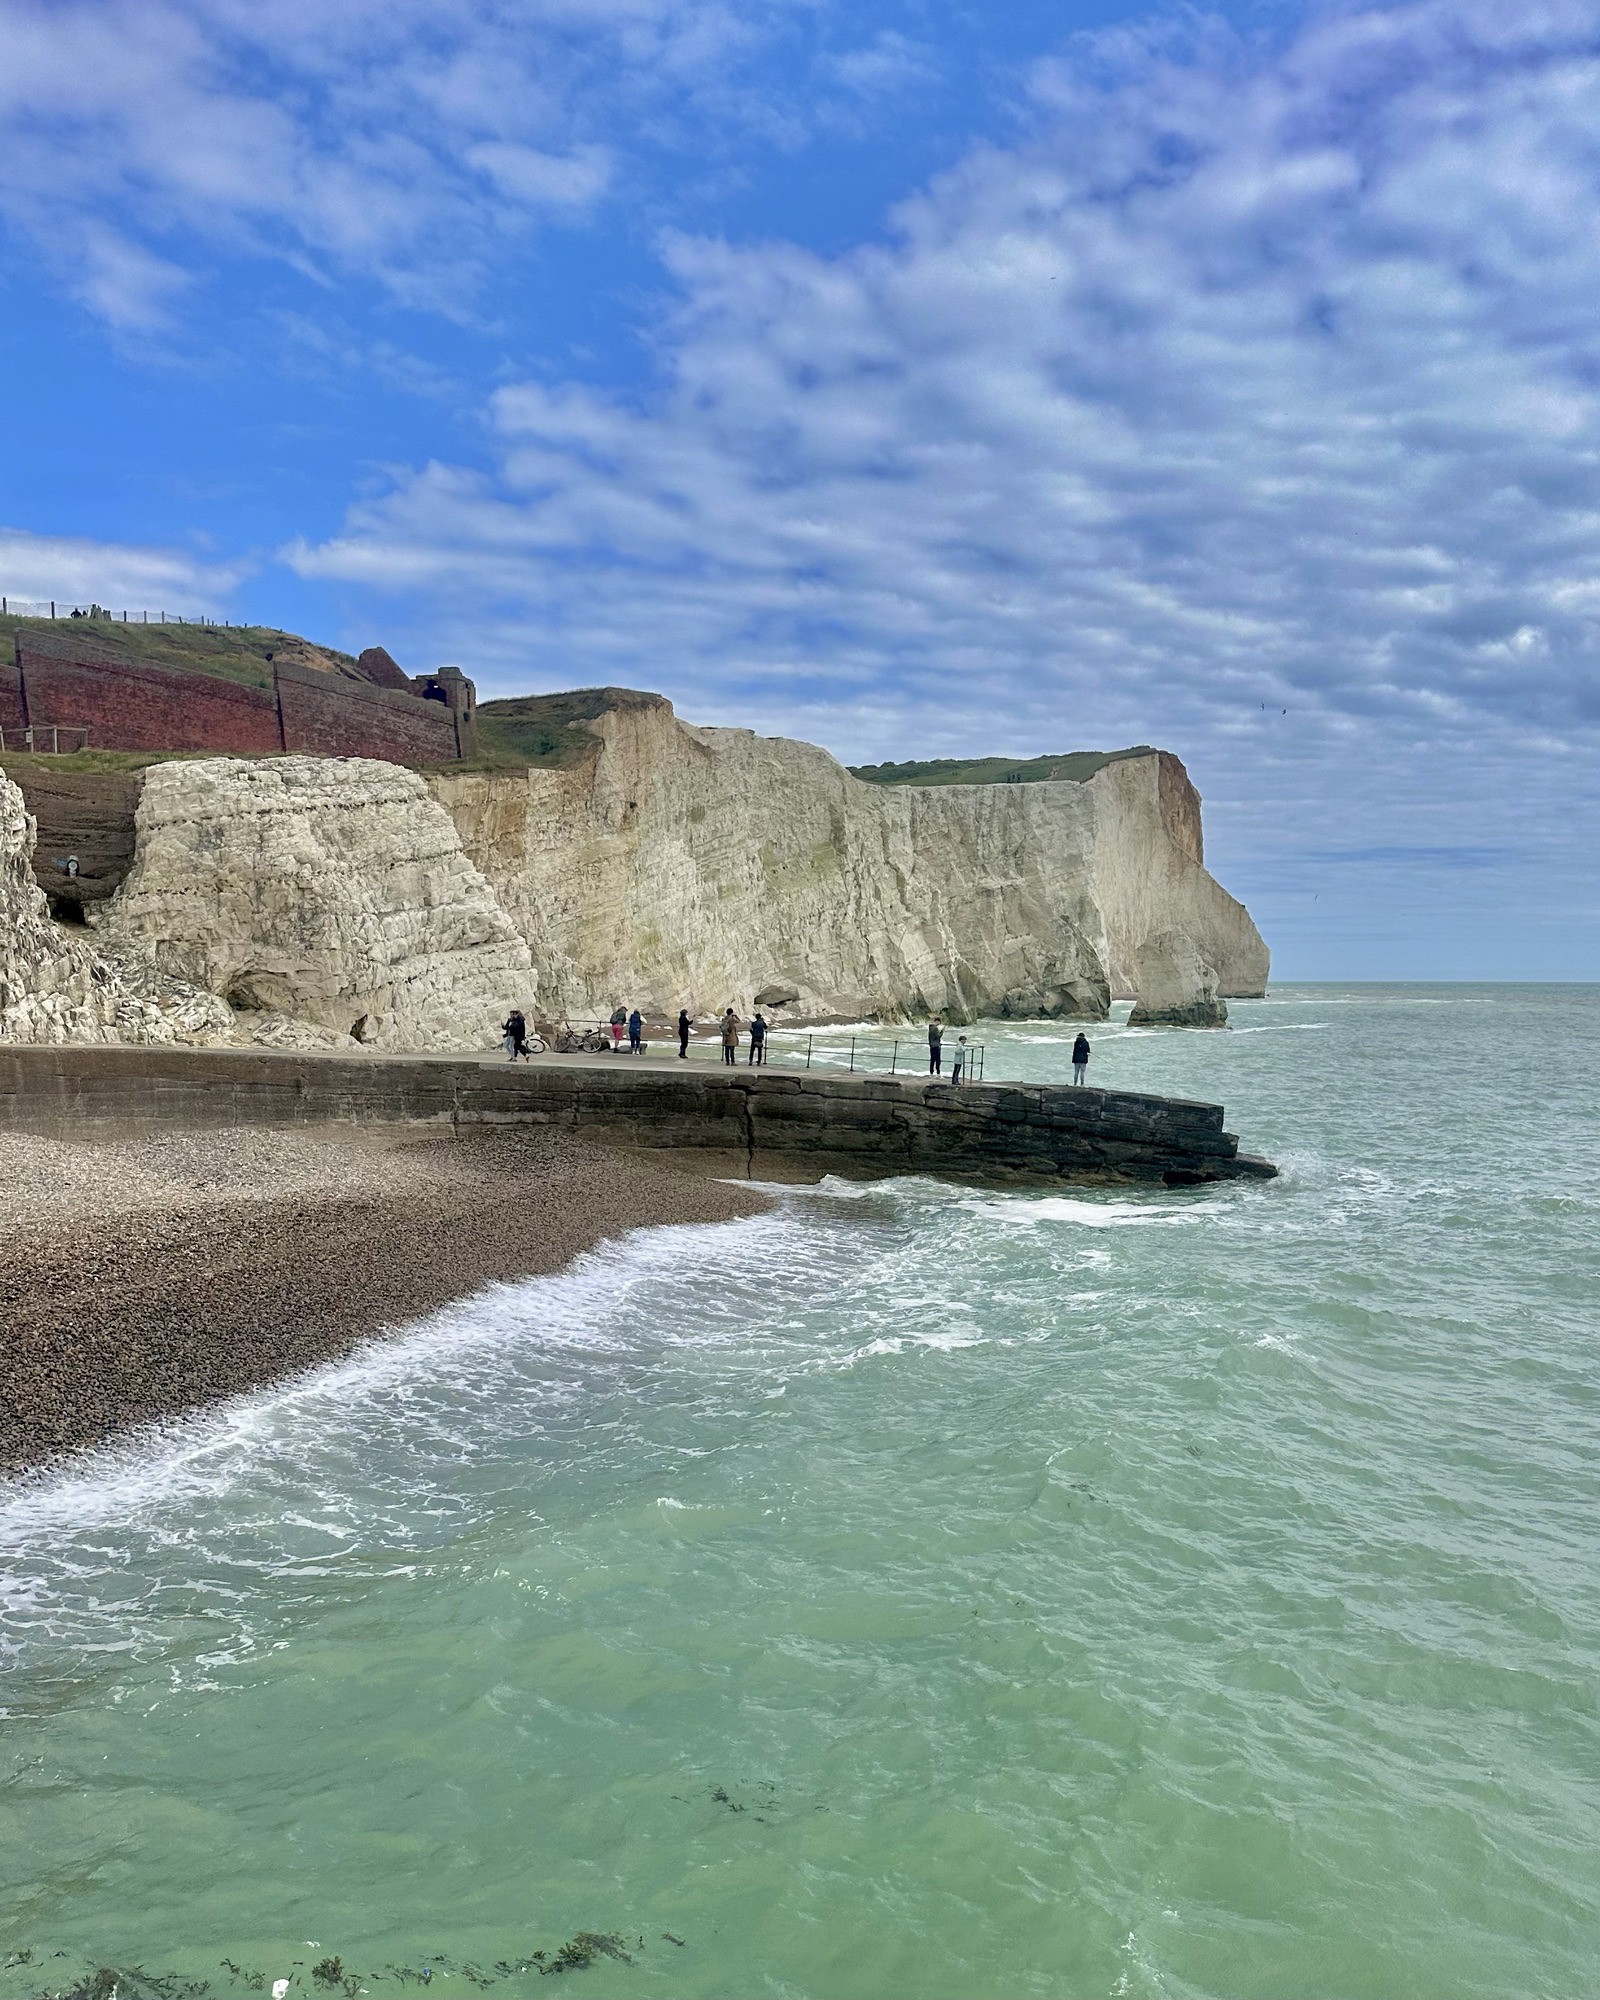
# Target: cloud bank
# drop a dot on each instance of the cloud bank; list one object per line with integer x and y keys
{"x": 401, "y": 141}
{"x": 1240, "y": 384}
{"x": 78, "y": 570}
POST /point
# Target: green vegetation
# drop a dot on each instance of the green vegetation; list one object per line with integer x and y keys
{"x": 1072, "y": 766}
{"x": 231, "y": 652}
{"x": 23, "y": 762}
{"x": 545, "y": 729}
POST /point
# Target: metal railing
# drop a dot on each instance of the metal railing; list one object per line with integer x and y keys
{"x": 783, "y": 1046}
{"x": 33, "y": 738}
{"x": 961, "y": 1061}
{"x": 51, "y": 607}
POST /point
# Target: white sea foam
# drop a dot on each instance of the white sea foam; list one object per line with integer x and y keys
{"x": 1023, "y": 1212}
{"x": 296, "y": 1480}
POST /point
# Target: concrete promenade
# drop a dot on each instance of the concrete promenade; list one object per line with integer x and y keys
{"x": 773, "y": 1123}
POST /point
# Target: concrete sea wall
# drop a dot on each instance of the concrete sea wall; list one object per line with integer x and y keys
{"x": 767, "y": 1124}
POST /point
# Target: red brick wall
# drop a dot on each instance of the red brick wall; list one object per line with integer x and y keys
{"x": 327, "y": 716}
{"x": 134, "y": 707}
{"x": 129, "y": 705}
{"x": 376, "y": 664}
{"x": 11, "y": 711}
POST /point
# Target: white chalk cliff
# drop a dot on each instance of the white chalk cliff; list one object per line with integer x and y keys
{"x": 676, "y": 866}
{"x": 55, "y": 987}
{"x": 664, "y": 865}
{"x": 325, "y": 891}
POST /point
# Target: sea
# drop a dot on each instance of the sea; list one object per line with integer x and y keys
{"x": 917, "y": 1590}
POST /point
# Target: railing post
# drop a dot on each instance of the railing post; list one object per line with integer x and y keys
{"x": 894, "y": 1057}
{"x": 852, "y": 1055}
{"x": 809, "y": 1040}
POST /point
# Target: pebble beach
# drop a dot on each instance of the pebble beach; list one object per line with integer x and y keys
{"x": 143, "y": 1278}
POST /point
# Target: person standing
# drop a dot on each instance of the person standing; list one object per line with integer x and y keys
{"x": 619, "y": 1020}
{"x": 935, "y": 1045}
{"x": 1080, "y": 1058}
{"x": 758, "y": 1038}
{"x": 683, "y": 1034}
{"x": 730, "y": 1037}
{"x": 635, "y": 1032}
{"x": 960, "y": 1062}
{"x": 516, "y": 1034}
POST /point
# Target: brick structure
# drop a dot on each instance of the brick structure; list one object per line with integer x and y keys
{"x": 325, "y": 715}
{"x": 130, "y": 704}
{"x": 376, "y": 664}
{"x": 13, "y": 710}
{"x": 451, "y": 686}
{"x": 127, "y": 705}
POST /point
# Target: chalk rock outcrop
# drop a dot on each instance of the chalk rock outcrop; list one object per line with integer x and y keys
{"x": 331, "y": 891}
{"x": 57, "y": 988}
{"x": 1175, "y": 985}
{"x": 674, "y": 866}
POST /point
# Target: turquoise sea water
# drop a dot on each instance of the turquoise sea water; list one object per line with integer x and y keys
{"x": 914, "y": 1591}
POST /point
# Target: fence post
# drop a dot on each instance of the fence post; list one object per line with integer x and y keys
{"x": 52, "y": 607}
{"x": 852, "y": 1055}
{"x": 894, "y": 1057}
{"x": 808, "y": 1051}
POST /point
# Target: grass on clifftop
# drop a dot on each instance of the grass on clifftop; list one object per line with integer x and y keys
{"x": 1072, "y": 766}
{"x": 41, "y": 764}
{"x": 230, "y": 652}
{"x": 544, "y": 729}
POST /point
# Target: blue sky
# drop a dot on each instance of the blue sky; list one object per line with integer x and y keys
{"x": 921, "y": 379}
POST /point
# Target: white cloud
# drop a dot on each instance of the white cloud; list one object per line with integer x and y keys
{"x": 1240, "y": 381}
{"x": 75, "y": 570}
{"x": 554, "y": 180}
{"x": 398, "y": 138}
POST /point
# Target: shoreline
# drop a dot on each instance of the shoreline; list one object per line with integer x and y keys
{"x": 143, "y": 1279}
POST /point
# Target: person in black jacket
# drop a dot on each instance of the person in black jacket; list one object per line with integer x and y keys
{"x": 935, "y": 1045}
{"x": 1080, "y": 1058}
{"x": 683, "y": 1034}
{"x": 635, "y": 1031}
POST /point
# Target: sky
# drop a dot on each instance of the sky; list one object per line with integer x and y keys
{"x": 917, "y": 377}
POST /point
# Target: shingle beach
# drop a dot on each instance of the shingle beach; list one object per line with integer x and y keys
{"x": 143, "y": 1278}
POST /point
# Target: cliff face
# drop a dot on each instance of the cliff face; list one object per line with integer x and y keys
{"x": 55, "y": 987}
{"x": 332, "y": 891}
{"x": 680, "y": 866}
{"x": 667, "y": 866}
